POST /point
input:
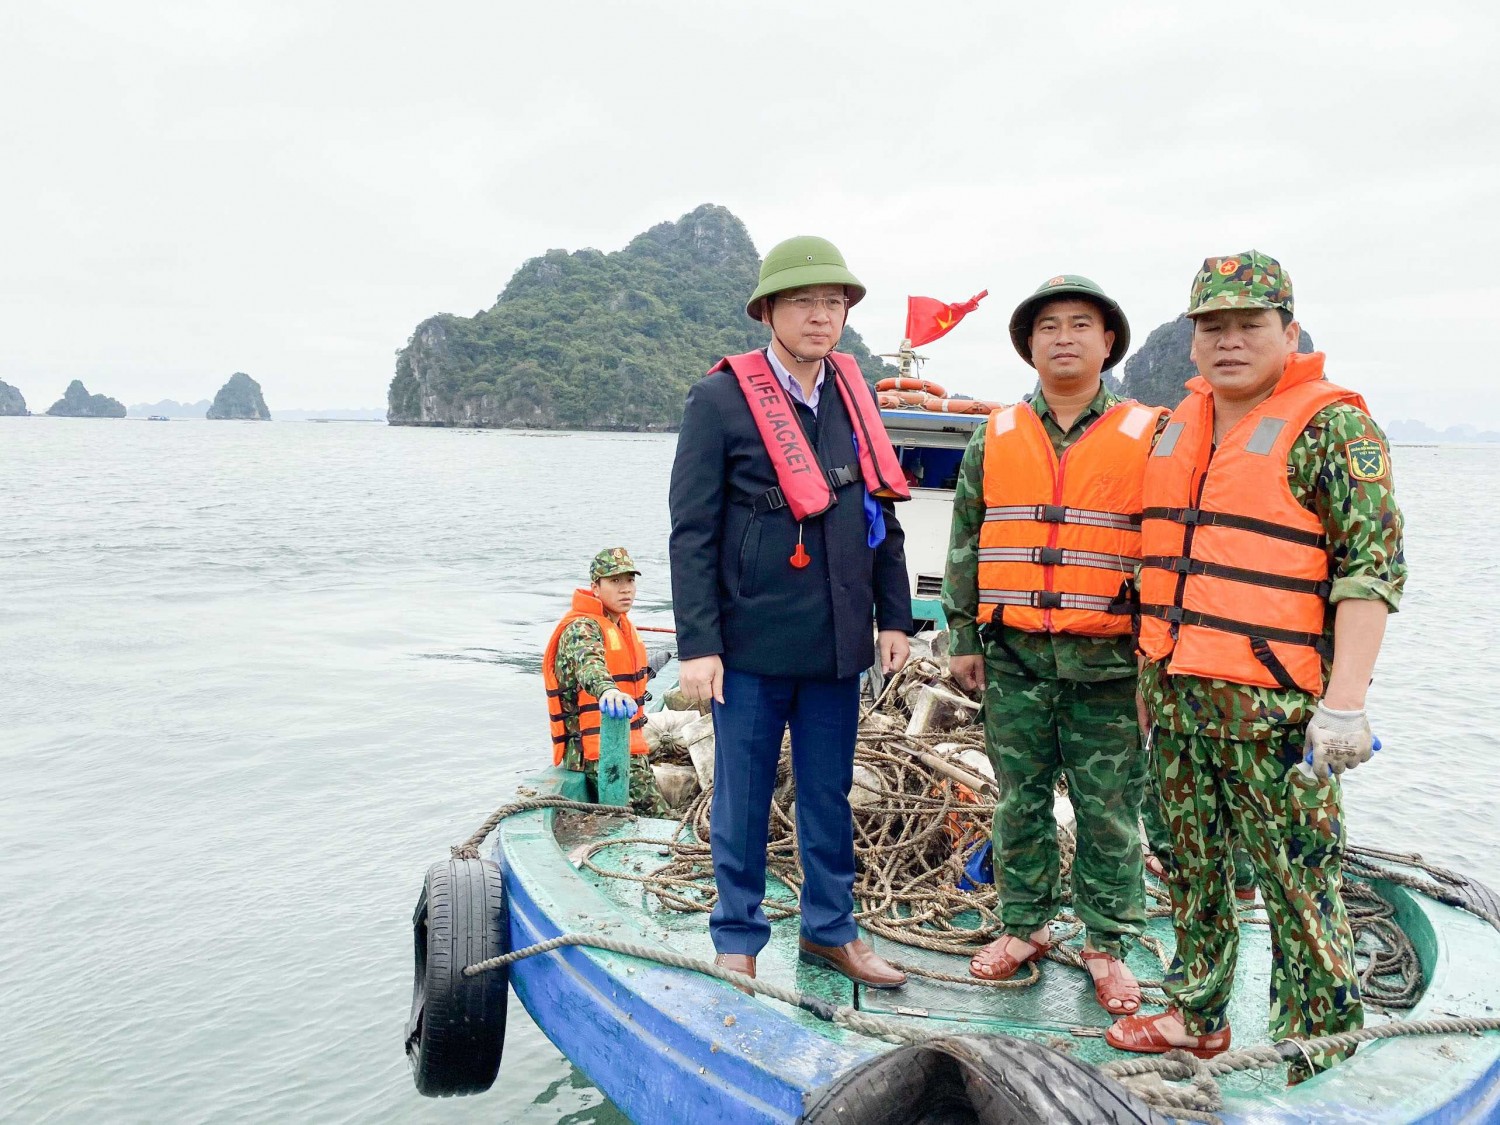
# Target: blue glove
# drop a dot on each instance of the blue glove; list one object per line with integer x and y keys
{"x": 617, "y": 705}
{"x": 874, "y": 513}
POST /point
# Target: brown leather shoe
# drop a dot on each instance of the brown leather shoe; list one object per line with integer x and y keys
{"x": 855, "y": 960}
{"x": 737, "y": 963}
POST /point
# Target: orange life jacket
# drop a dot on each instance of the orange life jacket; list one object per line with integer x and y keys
{"x": 1061, "y": 536}
{"x": 624, "y": 656}
{"x": 1235, "y": 573}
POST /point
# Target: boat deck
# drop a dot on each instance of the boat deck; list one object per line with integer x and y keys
{"x": 725, "y": 1056}
{"x": 1061, "y": 1003}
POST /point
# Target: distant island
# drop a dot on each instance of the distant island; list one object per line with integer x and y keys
{"x": 76, "y": 402}
{"x": 1410, "y": 430}
{"x": 595, "y": 341}
{"x": 12, "y": 402}
{"x": 239, "y": 398}
{"x": 169, "y": 408}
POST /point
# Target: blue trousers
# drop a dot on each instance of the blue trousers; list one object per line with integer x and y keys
{"x": 824, "y": 717}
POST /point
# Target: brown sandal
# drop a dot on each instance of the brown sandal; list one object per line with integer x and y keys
{"x": 1116, "y": 995}
{"x": 1140, "y": 1035}
{"x": 993, "y": 963}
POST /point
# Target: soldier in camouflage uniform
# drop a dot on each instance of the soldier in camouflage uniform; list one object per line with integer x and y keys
{"x": 1258, "y": 762}
{"x": 1055, "y": 702}
{"x": 579, "y": 664}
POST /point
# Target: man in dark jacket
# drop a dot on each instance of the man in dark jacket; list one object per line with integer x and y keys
{"x": 783, "y": 558}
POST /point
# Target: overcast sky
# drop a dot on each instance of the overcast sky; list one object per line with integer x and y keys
{"x": 194, "y": 188}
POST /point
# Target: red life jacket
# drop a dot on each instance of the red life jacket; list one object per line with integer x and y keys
{"x": 804, "y": 482}
{"x": 1061, "y": 537}
{"x": 624, "y": 656}
{"x": 1235, "y": 573}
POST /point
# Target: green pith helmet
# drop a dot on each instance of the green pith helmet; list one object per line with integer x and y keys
{"x": 612, "y": 561}
{"x": 801, "y": 261}
{"x": 1248, "y": 280}
{"x": 1069, "y": 285}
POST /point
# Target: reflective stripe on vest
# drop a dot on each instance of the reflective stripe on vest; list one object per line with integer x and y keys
{"x": 1061, "y": 536}
{"x": 624, "y": 656}
{"x": 1235, "y": 575}
{"x": 803, "y": 482}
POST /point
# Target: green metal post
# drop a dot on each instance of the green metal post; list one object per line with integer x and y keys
{"x": 614, "y": 761}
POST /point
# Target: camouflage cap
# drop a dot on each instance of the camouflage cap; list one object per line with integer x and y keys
{"x": 1250, "y": 280}
{"x": 611, "y": 561}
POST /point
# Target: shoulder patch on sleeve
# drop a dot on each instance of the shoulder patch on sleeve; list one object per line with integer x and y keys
{"x": 1367, "y": 459}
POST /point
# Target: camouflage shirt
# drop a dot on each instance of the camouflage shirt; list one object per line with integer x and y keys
{"x": 1053, "y": 656}
{"x": 1366, "y": 561}
{"x": 579, "y": 664}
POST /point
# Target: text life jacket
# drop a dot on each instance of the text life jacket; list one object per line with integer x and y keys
{"x": 1235, "y": 573}
{"x": 804, "y": 484}
{"x": 1061, "y": 536}
{"x": 624, "y": 656}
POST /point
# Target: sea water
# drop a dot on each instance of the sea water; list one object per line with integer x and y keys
{"x": 255, "y": 678}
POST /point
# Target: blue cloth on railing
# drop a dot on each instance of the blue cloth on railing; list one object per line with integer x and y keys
{"x": 874, "y": 513}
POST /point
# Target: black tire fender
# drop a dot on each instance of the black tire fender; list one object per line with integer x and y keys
{"x": 456, "y": 1032}
{"x": 976, "y": 1080}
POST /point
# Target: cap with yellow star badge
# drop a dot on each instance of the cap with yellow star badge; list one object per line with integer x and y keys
{"x": 1248, "y": 280}
{"x": 612, "y": 561}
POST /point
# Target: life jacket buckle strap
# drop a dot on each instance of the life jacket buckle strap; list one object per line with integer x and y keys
{"x": 770, "y": 500}
{"x": 1049, "y": 599}
{"x": 841, "y": 475}
{"x": 1052, "y": 513}
{"x": 1051, "y": 556}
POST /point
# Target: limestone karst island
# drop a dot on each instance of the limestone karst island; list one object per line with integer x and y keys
{"x": 76, "y": 402}
{"x": 239, "y": 398}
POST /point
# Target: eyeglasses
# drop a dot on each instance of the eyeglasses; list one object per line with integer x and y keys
{"x": 807, "y": 304}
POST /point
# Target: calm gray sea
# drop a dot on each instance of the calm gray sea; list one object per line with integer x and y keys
{"x": 255, "y": 678}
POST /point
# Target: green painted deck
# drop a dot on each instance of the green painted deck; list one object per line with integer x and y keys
{"x": 1412, "y": 1072}
{"x": 1061, "y": 1001}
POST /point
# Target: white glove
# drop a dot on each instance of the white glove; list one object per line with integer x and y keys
{"x": 1337, "y": 741}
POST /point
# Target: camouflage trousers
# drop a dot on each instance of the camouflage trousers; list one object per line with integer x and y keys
{"x": 1159, "y": 836}
{"x": 1035, "y": 729}
{"x": 1292, "y": 827}
{"x": 645, "y": 798}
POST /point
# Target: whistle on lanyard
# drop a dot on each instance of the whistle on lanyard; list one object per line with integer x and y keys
{"x": 800, "y": 557}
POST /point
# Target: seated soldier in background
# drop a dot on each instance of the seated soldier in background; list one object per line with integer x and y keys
{"x": 596, "y": 662}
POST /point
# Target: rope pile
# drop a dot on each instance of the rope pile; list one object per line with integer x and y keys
{"x": 915, "y": 830}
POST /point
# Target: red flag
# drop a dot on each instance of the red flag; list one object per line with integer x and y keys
{"x": 928, "y": 318}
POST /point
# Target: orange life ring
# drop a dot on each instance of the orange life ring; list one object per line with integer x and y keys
{"x": 888, "y": 400}
{"x": 958, "y": 405}
{"x": 911, "y": 385}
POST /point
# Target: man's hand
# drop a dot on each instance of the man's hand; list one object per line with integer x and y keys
{"x": 967, "y": 672}
{"x": 894, "y": 650}
{"x": 1141, "y": 716}
{"x": 1338, "y": 741}
{"x": 617, "y": 705}
{"x": 702, "y": 679}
